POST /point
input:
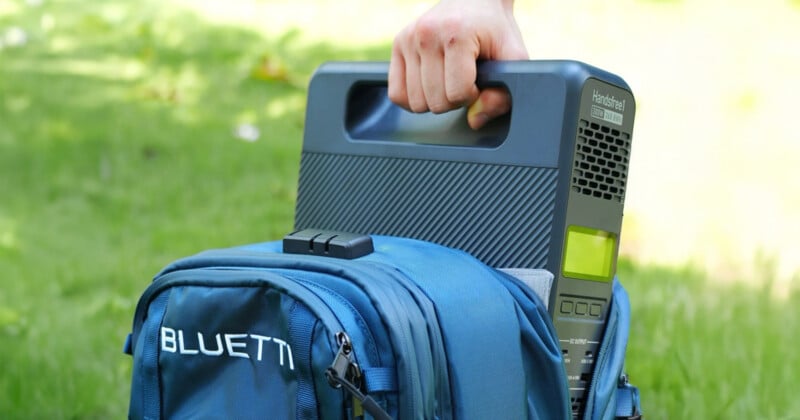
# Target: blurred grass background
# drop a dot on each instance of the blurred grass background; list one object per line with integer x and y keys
{"x": 136, "y": 132}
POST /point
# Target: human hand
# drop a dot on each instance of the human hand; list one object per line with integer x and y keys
{"x": 433, "y": 66}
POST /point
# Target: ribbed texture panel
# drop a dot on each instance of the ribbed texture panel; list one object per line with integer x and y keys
{"x": 500, "y": 214}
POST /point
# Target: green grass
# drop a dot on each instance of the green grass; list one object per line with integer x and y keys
{"x": 117, "y": 156}
{"x": 700, "y": 350}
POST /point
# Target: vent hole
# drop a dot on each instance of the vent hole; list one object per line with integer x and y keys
{"x": 601, "y": 158}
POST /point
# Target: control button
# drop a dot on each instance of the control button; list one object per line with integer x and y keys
{"x": 596, "y": 309}
{"x": 581, "y": 308}
{"x": 566, "y": 306}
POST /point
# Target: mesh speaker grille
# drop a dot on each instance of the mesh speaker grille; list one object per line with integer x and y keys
{"x": 601, "y": 161}
{"x": 501, "y": 214}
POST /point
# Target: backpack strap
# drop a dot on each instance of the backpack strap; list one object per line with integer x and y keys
{"x": 628, "y": 407}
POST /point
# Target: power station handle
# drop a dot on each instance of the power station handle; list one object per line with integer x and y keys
{"x": 348, "y": 114}
{"x": 371, "y": 116}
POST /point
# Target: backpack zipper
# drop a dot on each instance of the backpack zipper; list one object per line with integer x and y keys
{"x": 345, "y": 373}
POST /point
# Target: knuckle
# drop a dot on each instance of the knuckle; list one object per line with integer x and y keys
{"x": 461, "y": 94}
{"x": 458, "y": 96}
{"x": 426, "y": 33}
{"x": 404, "y": 36}
{"x": 440, "y": 107}
{"x": 426, "y": 26}
{"x": 418, "y": 106}
{"x": 396, "y": 95}
{"x": 451, "y": 29}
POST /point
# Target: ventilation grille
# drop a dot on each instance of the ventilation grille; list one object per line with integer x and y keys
{"x": 601, "y": 161}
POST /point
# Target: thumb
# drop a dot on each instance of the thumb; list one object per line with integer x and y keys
{"x": 492, "y": 103}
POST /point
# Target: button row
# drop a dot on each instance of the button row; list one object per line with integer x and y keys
{"x": 581, "y": 308}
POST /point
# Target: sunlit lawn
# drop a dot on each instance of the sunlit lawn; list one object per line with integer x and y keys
{"x": 119, "y": 153}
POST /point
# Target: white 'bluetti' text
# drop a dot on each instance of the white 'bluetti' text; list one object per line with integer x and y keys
{"x": 248, "y": 346}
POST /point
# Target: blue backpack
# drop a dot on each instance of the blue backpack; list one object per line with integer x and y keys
{"x": 358, "y": 327}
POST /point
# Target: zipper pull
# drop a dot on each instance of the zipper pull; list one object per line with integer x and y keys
{"x": 343, "y": 368}
{"x": 345, "y": 373}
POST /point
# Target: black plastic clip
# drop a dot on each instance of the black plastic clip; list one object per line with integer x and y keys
{"x": 328, "y": 244}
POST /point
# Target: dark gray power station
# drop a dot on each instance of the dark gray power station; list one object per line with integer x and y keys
{"x": 543, "y": 187}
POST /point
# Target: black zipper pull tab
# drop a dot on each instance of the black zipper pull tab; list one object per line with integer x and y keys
{"x": 345, "y": 373}
{"x": 343, "y": 368}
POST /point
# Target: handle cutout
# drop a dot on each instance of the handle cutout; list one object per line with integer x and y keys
{"x": 371, "y": 116}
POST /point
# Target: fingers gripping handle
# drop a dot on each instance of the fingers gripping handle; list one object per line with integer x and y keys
{"x": 370, "y": 115}
{"x": 349, "y": 113}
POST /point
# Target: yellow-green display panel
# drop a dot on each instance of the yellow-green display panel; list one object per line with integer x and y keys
{"x": 589, "y": 254}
